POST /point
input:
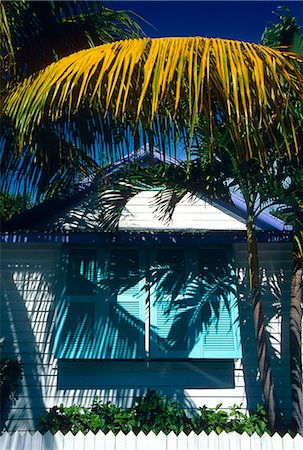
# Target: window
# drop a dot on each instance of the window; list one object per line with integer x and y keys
{"x": 161, "y": 303}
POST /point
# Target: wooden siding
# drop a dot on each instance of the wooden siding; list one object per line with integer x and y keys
{"x": 140, "y": 214}
{"x": 190, "y": 213}
{"x": 30, "y": 280}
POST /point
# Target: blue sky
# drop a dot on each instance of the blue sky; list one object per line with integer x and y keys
{"x": 242, "y": 20}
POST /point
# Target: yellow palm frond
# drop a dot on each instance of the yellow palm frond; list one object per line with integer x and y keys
{"x": 139, "y": 80}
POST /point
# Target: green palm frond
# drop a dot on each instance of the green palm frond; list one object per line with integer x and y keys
{"x": 136, "y": 81}
{"x": 57, "y": 28}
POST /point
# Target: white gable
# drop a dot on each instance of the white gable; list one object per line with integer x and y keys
{"x": 140, "y": 213}
{"x": 190, "y": 214}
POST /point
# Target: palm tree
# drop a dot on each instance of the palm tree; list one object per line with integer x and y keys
{"x": 154, "y": 89}
{"x": 287, "y": 35}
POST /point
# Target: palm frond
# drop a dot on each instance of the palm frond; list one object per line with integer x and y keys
{"x": 139, "y": 80}
{"x": 56, "y": 29}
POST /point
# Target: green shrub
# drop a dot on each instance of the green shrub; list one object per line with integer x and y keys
{"x": 157, "y": 413}
{"x": 216, "y": 419}
{"x": 10, "y": 375}
{"x": 151, "y": 412}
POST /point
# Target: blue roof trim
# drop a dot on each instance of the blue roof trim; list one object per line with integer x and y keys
{"x": 145, "y": 238}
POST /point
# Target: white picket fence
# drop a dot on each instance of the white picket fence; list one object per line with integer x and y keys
{"x": 100, "y": 441}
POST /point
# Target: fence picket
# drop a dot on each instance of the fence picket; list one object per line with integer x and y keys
{"x": 266, "y": 442}
{"x": 298, "y": 442}
{"x": 213, "y": 441}
{"x": 255, "y": 442}
{"x": 224, "y": 441}
{"x": 277, "y": 442}
{"x": 288, "y": 442}
{"x": 68, "y": 442}
{"x": 48, "y": 441}
{"x": 152, "y": 441}
{"x": 14, "y": 441}
{"x": 171, "y": 441}
{"x": 245, "y": 442}
{"x": 36, "y": 441}
{"x": 110, "y": 441}
{"x": 89, "y": 441}
{"x": 202, "y": 441}
{"x": 192, "y": 441}
{"x": 59, "y": 439}
{"x": 182, "y": 442}
{"x": 5, "y": 439}
{"x": 234, "y": 441}
{"x": 121, "y": 441}
{"x": 79, "y": 441}
{"x": 140, "y": 442}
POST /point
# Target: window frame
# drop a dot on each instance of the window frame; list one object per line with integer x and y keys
{"x": 146, "y": 255}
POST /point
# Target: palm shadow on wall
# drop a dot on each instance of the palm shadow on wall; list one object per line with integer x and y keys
{"x": 186, "y": 307}
{"x": 26, "y": 323}
{"x": 274, "y": 292}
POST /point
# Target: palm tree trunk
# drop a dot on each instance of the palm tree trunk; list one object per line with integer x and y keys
{"x": 295, "y": 338}
{"x": 260, "y": 331}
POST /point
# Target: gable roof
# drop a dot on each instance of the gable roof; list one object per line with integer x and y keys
{"x": 77, "y": 210}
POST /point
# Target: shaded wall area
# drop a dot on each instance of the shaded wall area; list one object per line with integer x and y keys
{"x": 28, "y": 284}
{"x": 275, "y": 267}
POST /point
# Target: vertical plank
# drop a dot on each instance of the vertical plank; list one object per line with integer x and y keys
{"x": 245, "y": 442}
{"x": 27, "y": 440}
{"x": 68, "y": 441}
{"x": 266, "y": 442}
{"x": 171, "y": 441}
{"x": 59, "y": 441}
{"x": 140, "y": 441}
{"x": 202, "y": 441}
{"x": 223, "y": 441}
{"x": 192, "y": 441}
{"x": 36, "y": 443}
{"x": 234, "y": 441}
{"x": 298, "y": 442}
{"x": 79, "y": 441}
{"x": 89, "y": 441}
{"x": 131, "y": 441}
{"x": 277, "y": 442}
{"x": 5, "y": 439}
{"x": 255, "y": 441}
{"x": 288, "y": 442}
{"x": 161, "y": 442}
{"x": 109, "y": 441}
{"x": 99, "y": 439}
{"x": 121, "y": 441}
{"x": 48, "y": 441}
{"x": 213, "y": 441}
{"x": 14, "y": 440}
{"x": 156, "y": 441}
{"x": 20, "y": 440}
{"x": 182, "y": 441}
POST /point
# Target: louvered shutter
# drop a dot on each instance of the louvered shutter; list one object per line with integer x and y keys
{"x": 76, "y": 331}
{"x": 76, "y": 309}
{"x": 125, "y": 325}
{"x": 168, "y": 305}
{"x": 218, "y": 336}
{"x": 81, "y": 272}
